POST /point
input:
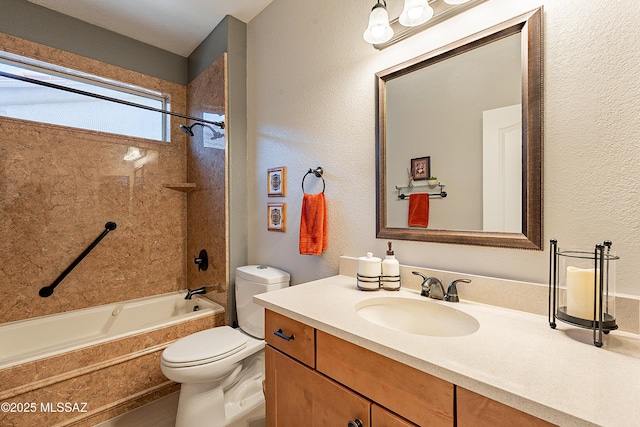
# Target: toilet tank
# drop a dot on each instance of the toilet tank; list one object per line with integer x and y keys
{"x": 253, "y": 280}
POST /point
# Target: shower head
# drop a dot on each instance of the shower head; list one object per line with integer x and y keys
{"x": 187, "y": 129}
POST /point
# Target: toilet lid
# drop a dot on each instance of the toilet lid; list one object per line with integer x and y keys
{"x": 204, "y": 347}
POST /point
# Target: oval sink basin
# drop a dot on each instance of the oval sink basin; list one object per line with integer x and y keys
{"x": 417, "y": 317}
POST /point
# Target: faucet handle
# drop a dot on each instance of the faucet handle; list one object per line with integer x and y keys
{"x": 452, "y": 291}
{"x": 425, "y": 287}
{"x": 202, "y": 260}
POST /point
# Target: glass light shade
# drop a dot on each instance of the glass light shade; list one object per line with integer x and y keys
{"x": 379, "y": 30}
{"x": 455, "y": 1}
{"x": 415, "y": 12}
{"x": 133, "y": 154}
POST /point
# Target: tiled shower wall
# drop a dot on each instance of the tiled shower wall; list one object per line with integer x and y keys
{"x": 58, "y": 188}
{"x": 206, "y": 167}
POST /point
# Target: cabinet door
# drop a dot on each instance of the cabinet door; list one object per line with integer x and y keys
{"x": 380, "y": 417}
{"x": 299, "y": 396}
{"x": 417, "y": 396}
{"x": 474, "y": 410}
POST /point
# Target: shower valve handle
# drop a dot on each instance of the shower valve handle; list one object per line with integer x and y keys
{"x": 202, "y": 260}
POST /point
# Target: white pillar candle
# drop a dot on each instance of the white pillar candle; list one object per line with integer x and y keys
{"x": 580, "y": 293}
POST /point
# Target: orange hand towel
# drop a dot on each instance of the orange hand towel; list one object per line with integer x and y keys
{"x": 418, "y": 210}
{"x": 313, "y": 224}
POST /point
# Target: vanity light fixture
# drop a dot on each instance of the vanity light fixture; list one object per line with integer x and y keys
{"x": 378, "y": 30}
{"x": 416, "y": 16}
{"x": 415, "y": 12}
{"x": 133, "y": 154}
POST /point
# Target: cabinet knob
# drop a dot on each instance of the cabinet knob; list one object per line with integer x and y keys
{"x": 356, "y": 423}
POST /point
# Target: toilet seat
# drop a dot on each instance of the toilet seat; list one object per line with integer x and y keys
{"x": 204, "y": 347}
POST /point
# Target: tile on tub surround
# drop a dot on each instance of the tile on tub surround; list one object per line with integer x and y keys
{"x": 63, "y": 184}
{"x": 206, "y": 167}
{"x": 512, "y": 294}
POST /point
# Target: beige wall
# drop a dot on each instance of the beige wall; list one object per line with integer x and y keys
{"x": 59, "y": 186}
{"x": 311, "y": 98}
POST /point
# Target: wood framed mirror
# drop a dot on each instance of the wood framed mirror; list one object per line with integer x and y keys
{"x": 443, "y": 106}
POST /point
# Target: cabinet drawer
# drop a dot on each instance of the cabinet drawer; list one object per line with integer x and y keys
{"x": 419, "y": 397}
{"x": 380, "y": 417}
{"x": 474, "y": 410}
{"x": 291, "y": 337}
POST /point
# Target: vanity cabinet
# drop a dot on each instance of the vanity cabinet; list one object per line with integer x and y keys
{"x": 380, "y": 417}
{"x": 475, "y": 410}
{"x": 300, "y": 396}
{"x": 313, "y": 378}
{"x": 317, "y": 379}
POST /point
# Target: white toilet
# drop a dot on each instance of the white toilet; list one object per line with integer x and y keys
{"x": 221, "y": 369}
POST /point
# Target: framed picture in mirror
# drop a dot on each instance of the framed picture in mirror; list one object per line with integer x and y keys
{"x": 421, "y": 168}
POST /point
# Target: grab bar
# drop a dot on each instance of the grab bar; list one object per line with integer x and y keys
{"x": 47, "y": 291}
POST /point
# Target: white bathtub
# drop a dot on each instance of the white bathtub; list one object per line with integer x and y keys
{"x": 31, "y": 339}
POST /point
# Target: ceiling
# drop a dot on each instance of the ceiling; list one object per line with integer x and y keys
{"x": 178, "y": 26}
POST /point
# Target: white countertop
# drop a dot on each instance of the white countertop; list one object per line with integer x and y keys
{"x": 514, "y": 358}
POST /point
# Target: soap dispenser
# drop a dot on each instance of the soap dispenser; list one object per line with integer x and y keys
{"x": 390, "y": 271}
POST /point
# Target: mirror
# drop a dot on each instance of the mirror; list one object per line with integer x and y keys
{"x": 470, "y": 114}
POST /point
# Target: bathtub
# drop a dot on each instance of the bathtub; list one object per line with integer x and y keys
{"x": 41, "y": 337}
{"x": 105, "y": 359}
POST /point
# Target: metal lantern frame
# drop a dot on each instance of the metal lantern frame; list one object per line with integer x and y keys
{"x": 603, "y": 320}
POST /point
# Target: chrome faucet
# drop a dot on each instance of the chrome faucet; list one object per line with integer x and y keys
{"x": 432, "y": 288}
{"x": 199, "y": 291}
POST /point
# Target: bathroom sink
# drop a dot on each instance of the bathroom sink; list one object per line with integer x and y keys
{"x": 420, "y": 317}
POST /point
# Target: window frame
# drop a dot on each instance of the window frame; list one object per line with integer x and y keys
{"x": 93, "y": 80}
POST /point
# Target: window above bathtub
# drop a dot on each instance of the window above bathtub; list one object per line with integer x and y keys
{"x": 29, "y": 101}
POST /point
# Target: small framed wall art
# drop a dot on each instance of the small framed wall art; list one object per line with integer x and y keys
{"x": 276, "y": 217}
{"x": 421, "y": 168}
{"x": 276, "y": 181}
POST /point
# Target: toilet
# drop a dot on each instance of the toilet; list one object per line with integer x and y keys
{"x": 221, "y": 369}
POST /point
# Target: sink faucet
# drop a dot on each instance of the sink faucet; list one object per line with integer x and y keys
{"x": 191, "y": 293}
{"x": 452, "y": 292}
{"x": 432, "y": 288}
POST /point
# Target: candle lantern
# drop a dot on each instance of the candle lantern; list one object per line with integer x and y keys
{"x": 582, "y": 288}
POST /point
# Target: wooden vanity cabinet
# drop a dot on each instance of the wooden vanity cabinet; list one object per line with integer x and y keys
{"x": 299, "y": 396}
{"x": 316, "y": 379}
{"x": 474, "y": 410}
{"x": 415, "y": 395}
{"x": 349, "y": 383}
{"x": 380, "y": 417}
{"x": 291, "y": 337}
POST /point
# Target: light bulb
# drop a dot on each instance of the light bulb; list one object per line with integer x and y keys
{"x": 379, "y": 30}
{"x": 415, "y": 12}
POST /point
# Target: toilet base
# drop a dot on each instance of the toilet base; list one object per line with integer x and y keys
{"x": 237, "y": 401}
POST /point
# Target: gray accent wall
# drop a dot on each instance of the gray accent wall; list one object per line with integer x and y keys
{"x": 38, "y": 24}
{"x": 230, "y": 36}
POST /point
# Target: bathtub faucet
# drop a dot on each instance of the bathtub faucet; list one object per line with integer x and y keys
{"x": 191, "y": 293}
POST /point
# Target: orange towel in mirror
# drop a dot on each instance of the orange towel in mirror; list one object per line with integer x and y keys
{"x": 418, "y": 210}
{"x": 313, "y": 224}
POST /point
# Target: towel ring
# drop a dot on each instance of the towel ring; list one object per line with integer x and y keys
{"x": 317, "y": 172}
